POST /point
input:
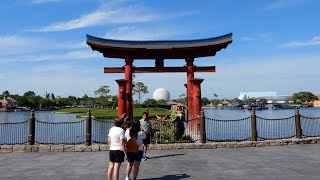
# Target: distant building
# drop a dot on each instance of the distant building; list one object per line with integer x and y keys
{"x": 247, "y": 95}
{"x": 269, "y": 95}
{"x": 316, "y": 103}
{"x": 9, "y": 103}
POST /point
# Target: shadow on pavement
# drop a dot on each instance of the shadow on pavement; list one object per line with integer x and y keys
{"x": 167, "y": 155}
{"x": 170, "y": 177}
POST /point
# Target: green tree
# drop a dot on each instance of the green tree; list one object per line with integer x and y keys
{"x": 236, "y": 100}
{"x": 103, "y": 92}
{"x": 29, "y": 94}
{"x": 6, "y": 94}
{"x": 161, "y": 101}
{"x": 140, "y": 89}
{"x": 215, "y": 101}
{"x": 30, "y": 99}
{"x": 205, "y": 101}
{"x": 303, "y": 97}
{"x": 71, "y": 101}
{"x": 250, "y": 100}
{"x": 150, "y": 103}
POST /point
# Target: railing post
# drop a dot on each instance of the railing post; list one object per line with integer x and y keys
{"x": 32, "y": 128}
{"x": 253, "y": 124}
{"x": 88, "y": 128}
{"x": 298, "y": 124}
{"x": 203, "y": 136}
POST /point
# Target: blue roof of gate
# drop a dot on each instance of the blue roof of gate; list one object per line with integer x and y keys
{"x": 161, "y": 42}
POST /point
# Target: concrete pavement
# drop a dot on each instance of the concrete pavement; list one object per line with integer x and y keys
{"x": 274, "y": 162}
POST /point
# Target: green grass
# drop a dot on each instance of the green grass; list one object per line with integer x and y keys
{"x": 100, "y": 113}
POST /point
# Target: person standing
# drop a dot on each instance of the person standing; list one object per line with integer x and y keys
{"x": 134, "y": 136}
{"x": 146, "y": 128}
{"x": 117, "y": 152}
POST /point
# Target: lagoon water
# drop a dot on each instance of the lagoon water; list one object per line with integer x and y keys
{"x": 222, "y": 114}
{"x": 217, "y": 130}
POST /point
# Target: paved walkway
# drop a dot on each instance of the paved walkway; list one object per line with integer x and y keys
{"x": 276, "y": 162}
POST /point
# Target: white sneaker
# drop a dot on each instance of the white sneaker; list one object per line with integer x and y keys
{"x": 127, "y": 178}
{"x": 143, "y": 158}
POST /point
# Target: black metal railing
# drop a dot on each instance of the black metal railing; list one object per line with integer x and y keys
{"x": 100, "y": 131}
{"x": 310, "y": 126}
{"x": 200, "y": 129}
{"x": 60, "y": 133}
{"x": 228, "y": 130}
{"x": 14, "y": 133}
{"x": 275, "y": 128}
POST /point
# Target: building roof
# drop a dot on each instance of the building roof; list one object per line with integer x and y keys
{"x": 247, "y": 95}
{"x": 169, "y": 49}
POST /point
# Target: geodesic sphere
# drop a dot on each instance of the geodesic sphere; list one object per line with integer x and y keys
{"x": 161, "y": 93}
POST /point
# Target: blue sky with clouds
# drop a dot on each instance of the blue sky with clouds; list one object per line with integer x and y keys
{"x": 276, "y": 44}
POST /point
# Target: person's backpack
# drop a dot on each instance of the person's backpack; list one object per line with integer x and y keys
{"x": 132, "y": 146}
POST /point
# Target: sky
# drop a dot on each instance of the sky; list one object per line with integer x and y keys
{"x": 276, "y": 44}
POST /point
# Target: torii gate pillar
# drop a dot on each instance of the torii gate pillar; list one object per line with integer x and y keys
{"x": 196, "y": 96}
{"x": 194, "y": 125}
{"x": 190, "y": 75}
{"x": 122, "y": 96}
{"x": 128, "y": 77}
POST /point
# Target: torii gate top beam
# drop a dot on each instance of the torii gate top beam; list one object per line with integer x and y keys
{"x": 179, "y": 49}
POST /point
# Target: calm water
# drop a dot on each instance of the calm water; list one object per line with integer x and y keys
{"x": 69, "y": 133}
{"x": 48, "y": 116}
{"x": 225, "y": 114}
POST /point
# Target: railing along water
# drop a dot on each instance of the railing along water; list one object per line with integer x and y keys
{"x": 60, "y": 133}
{"x": 100, "y": 131}
{"x": 228, "y": 130}
{"x": 14, "y": 133}
{"x": 199, "y": 129}
{"x": 310, "y": 126}
{"x": 275, "y": 128}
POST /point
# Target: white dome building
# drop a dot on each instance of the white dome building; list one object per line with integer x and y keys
{"x": 161, "y": 93}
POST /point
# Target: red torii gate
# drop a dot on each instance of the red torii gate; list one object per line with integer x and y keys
{"x": 159, "y": 50}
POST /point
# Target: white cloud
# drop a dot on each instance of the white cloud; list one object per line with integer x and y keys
{"x": 102, "y": 16}
{"x": 44, "y": 1}
{"x": 285, "y": 75}
{"x": 312, "y": 42}
{"x": 69, "y": 56}
{"x": 257, "y": 37}
{"x": 134, "y": 33}
{"x": 278, "y": 4}
{"x": 282, "y": 74}
{"x": 15, "y": 44}
{"x": 51, "y": 68}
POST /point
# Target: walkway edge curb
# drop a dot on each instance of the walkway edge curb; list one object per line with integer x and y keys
{"x": 208, "y": 145}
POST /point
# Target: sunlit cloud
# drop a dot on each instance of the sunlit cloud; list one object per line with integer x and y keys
{"x": 103, "y": 16}
{"x": 44, "y": 1}
{"x": 69, "y": 56}
{"x": 15, "y": 44}
{"x": 51, "y": 68}
{"x": 257, "y": 37}
{"x": 113, "y": 12}
{"x": 259, "y": 74}
{"x": 279, "y": 4}
{"x": 312, "y": 42}
{"x": 134, "y": 33}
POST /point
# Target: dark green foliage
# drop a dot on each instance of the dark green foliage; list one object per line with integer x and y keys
{"x": 301, "y": 97}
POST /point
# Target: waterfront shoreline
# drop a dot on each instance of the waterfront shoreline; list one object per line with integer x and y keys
{"x": 208, "y": 145}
